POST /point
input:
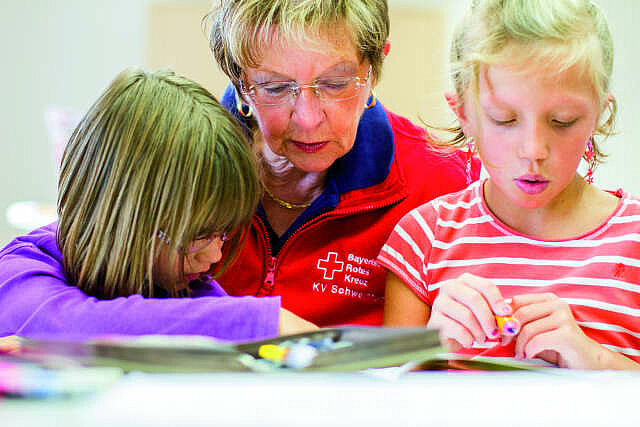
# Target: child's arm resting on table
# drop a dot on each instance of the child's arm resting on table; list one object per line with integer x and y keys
{"x": 37, "y": 301}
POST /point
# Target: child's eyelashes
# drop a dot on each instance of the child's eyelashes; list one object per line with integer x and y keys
{"x": 554, "y": 122}
{"x": 507, "y": 122}
{"x": 564, "y": 124}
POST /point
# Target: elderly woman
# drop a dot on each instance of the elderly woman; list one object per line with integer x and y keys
{"x": 338, "y": 169}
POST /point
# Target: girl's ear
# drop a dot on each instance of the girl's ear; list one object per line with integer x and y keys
{"x": 387, "y": 47}
{"x": 610, "y": 100}
{"x": 456, "y": 105}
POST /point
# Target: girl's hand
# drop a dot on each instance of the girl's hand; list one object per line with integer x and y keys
{"x": 464, "y": 311}
{"x": 10, "y": 344}
{"x": 293, "y": 324}
{"x": 550, "y": 332}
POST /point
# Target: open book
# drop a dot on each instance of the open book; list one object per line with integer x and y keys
{"x": 336, "y": 349}
{"x": 342, "y": 349}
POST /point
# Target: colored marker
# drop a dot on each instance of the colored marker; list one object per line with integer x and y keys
{"x": 300, "y": 356}
{"x": 507, "y": 325}
{"x": 296, "y": 356}
{"x": 273, "y": 352}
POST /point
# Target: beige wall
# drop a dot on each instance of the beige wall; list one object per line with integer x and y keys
{"x": 177, "y": 41}
{"x": 415, "y": 72}
{"x": 55, "y": 54}
{"x": 413, "y": 80}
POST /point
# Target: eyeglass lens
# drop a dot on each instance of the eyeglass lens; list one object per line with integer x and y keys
{"x": 328, "y": 89}
{"x": 199, "y": 244}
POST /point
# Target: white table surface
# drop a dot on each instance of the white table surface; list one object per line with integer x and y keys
{"x": 554, "y": 398}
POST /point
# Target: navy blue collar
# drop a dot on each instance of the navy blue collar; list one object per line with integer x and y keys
{"x": 367, "y": 164}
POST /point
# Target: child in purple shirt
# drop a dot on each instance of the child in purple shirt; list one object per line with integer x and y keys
{"x": 155, "y": 178}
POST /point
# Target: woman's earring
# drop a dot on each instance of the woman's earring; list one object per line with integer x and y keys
{"x": 372, "y": 101}
{"x": 469, "y": 158}
{"x": 243, "y": 109}
{"x": 590, "y": 157}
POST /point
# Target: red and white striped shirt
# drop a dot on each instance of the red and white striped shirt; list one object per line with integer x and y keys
{"x": 597, "y": 274}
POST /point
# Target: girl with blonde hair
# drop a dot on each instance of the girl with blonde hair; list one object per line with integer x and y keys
{"x": 536, "y": 241}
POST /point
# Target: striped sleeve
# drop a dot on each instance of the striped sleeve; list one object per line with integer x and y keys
{"x": 406, "y": 252}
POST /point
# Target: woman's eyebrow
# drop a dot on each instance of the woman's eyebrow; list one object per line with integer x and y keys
{"x": 344, "y": 67}
{"x": 341, "y": 67}
{"x": 266, "y": 76}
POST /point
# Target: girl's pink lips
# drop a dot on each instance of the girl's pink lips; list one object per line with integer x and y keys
{"x": 532, "y": 184}
{"x": 310, "y": 147}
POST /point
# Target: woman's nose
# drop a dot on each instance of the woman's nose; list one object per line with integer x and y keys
{"x": 307, "y": 109}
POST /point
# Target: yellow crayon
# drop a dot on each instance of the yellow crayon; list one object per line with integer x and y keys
{"x": 507, "y": 325}
{"x": 273, "y": 352}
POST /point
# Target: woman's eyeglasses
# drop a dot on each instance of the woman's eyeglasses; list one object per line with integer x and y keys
{"x": 332, "y": 89}
{"x": 196, "y": 245}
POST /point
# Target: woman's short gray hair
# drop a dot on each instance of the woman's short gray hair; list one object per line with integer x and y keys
{"x": 240, "y": 30}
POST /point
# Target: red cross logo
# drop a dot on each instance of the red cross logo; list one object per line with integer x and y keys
{"x": 331, "y": 265}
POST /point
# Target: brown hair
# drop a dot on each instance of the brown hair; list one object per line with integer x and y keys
{"x": 155, "y": 152}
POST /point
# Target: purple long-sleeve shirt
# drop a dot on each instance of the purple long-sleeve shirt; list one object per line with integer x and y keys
{"x": 36, "y": 300}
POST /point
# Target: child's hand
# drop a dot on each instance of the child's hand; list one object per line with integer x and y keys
{"x": 550, "y": 332}
{"x": 10, "y": 344}
{"x": 465, "y": 310}
{"x": 293, "y": 324}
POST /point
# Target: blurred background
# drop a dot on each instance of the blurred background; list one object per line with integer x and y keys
{"x": 59, "y": 56}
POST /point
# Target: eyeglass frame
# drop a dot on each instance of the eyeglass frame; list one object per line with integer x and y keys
{"x": 295, "y": 89}
{"x": 223, "y": 236}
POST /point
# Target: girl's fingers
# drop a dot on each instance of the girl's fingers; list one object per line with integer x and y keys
{"x": 490, "y": 292}
{"x": 10, "y": 344}
{"x": 531, "y": 307}
{"x": 533, "y": 312}
{"x": 467, "y": 308}
{"x": 450, "y": 329}
{"x": 536, "y": 345}
{"x": 533, "y": 331}
{"x": 530, "y": 312}
{"x": 540, "y": 317}
{"x": 458, "y": 309}
{"x": 528, "y": 299}
{"x": 485, "y": 301}
{"x": 451, "y": 344}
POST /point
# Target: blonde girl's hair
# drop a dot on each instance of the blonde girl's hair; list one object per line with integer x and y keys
{"x": 155, "y": 152}
{"x": 558, "y": 33}
{"x": 241, "y": 30}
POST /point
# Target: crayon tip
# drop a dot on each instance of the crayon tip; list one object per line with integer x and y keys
{"x": 511, "y": 327}
{"x": 507, "y": 325}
